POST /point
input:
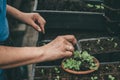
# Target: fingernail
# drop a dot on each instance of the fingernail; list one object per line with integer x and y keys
{"x": 39, "y": 29}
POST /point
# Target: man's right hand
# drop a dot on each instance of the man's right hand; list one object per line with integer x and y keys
{"x": 60, "y": 47}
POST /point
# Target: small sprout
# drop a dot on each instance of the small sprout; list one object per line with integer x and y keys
{"x": 102, "y": 7}
{"x": 119, "y": 66}
{"x": 42, "y": 71}
{"x": 89, "y": 5}
{"x": 56, "y": 70}
{"x": 87, "y": 44}
{"x": 89, "y": 49}
{"x": 98, "y": 41}
{"x": 110, "y": 39}
{"x": 115, "y": 45}
{"x": 106, "y": 67}
{"x": 57, "y": 77}
{"x": 94, "y": 78}
{"x": 97, "y": 6}
{"x": 101, "y": 48}
{"x": 110, "y": 77}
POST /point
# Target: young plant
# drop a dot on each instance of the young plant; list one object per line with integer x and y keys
{"x": 94, "y": 78}
{"x": 57, "y": 70}
{"x": 110, "y": 77}
{"x": 115, "y": 45}
{"x": 98, "y": 41}
{"x": 80, "y": 61}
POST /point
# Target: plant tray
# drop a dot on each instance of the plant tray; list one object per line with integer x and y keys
{"x": 70, "y": 5}
{"x": 69, "y": 19}
{"x": 57, "y": 73}
{"x": 100, "y": 45}
{"x": 112, "y": 3}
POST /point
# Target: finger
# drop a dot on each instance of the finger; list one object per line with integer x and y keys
{"x": 36, "y": 27}
{"x": 69, "y": 48}
{"x": 42, "y": 27}
{"x": 70, "y": 38}
{"x": 68, "y": 53}
{"x": 41, "y": 22}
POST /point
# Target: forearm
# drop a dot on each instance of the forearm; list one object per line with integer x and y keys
{"x": 14, "y": 12}
{"x": 14, "y": 56}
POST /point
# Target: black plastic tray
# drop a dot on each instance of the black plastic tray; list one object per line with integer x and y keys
{"x": 112, "y": 3}
{"x": 100, "y": 45}
{"x": 57, "y": 19}
{"x": 57, "y": 73}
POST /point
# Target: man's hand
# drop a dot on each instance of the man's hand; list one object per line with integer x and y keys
{"x": 61, "y": 47}
{"x": 35, "y": 20}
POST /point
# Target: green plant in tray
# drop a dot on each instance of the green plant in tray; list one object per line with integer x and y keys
{"x": 80, "y": 62}
{"x": 94, "y": 78}
{"x": 110, "y": 77}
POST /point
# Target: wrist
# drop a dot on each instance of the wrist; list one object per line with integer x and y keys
{"x": 36, "y": 54}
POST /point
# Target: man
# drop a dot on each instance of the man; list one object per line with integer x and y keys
{"x": 11, "y": 57}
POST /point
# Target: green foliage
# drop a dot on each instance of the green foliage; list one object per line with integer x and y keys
{"x": 77, "y": 54}
{"x": 42, "y": 71}
{"x": 57, "y": 70}
{"x": 110, "y": 77}
{"x": 86, "y": 57}
{"x": 94, "y": 78}
{"x": 115, "y": 45}
{"x": 98, "y": 41}
{"x": 72, "y": 64}
{"x": 75, "y": 62}
{"x": 110, "y": 39}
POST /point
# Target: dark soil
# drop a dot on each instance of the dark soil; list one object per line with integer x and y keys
{"x": 106, "y": 77}
{"x": 57, "y": 73}
{"x": 107, "y": 68}
{"x": 101, "y": 45}
{"x": 68, "y": 5}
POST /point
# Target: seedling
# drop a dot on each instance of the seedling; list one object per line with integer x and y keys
{"x": 94, "y": 78}
{"x": 56, "y": 70}
{"x": 119, "y": 66}
{"x": 80, "y": 61}
{"x": 107, "y": 67}
{"x": 57, "y": 78}
{"x": 110, "y": 39}
{"x": 89, "y": 49}
{"x": 42, "y": 71}
{"x": 110, "y": 77}
{"x": 98, "y": 41}
{"x": 115, "y": 45}
{"x": 101, "y": 48}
